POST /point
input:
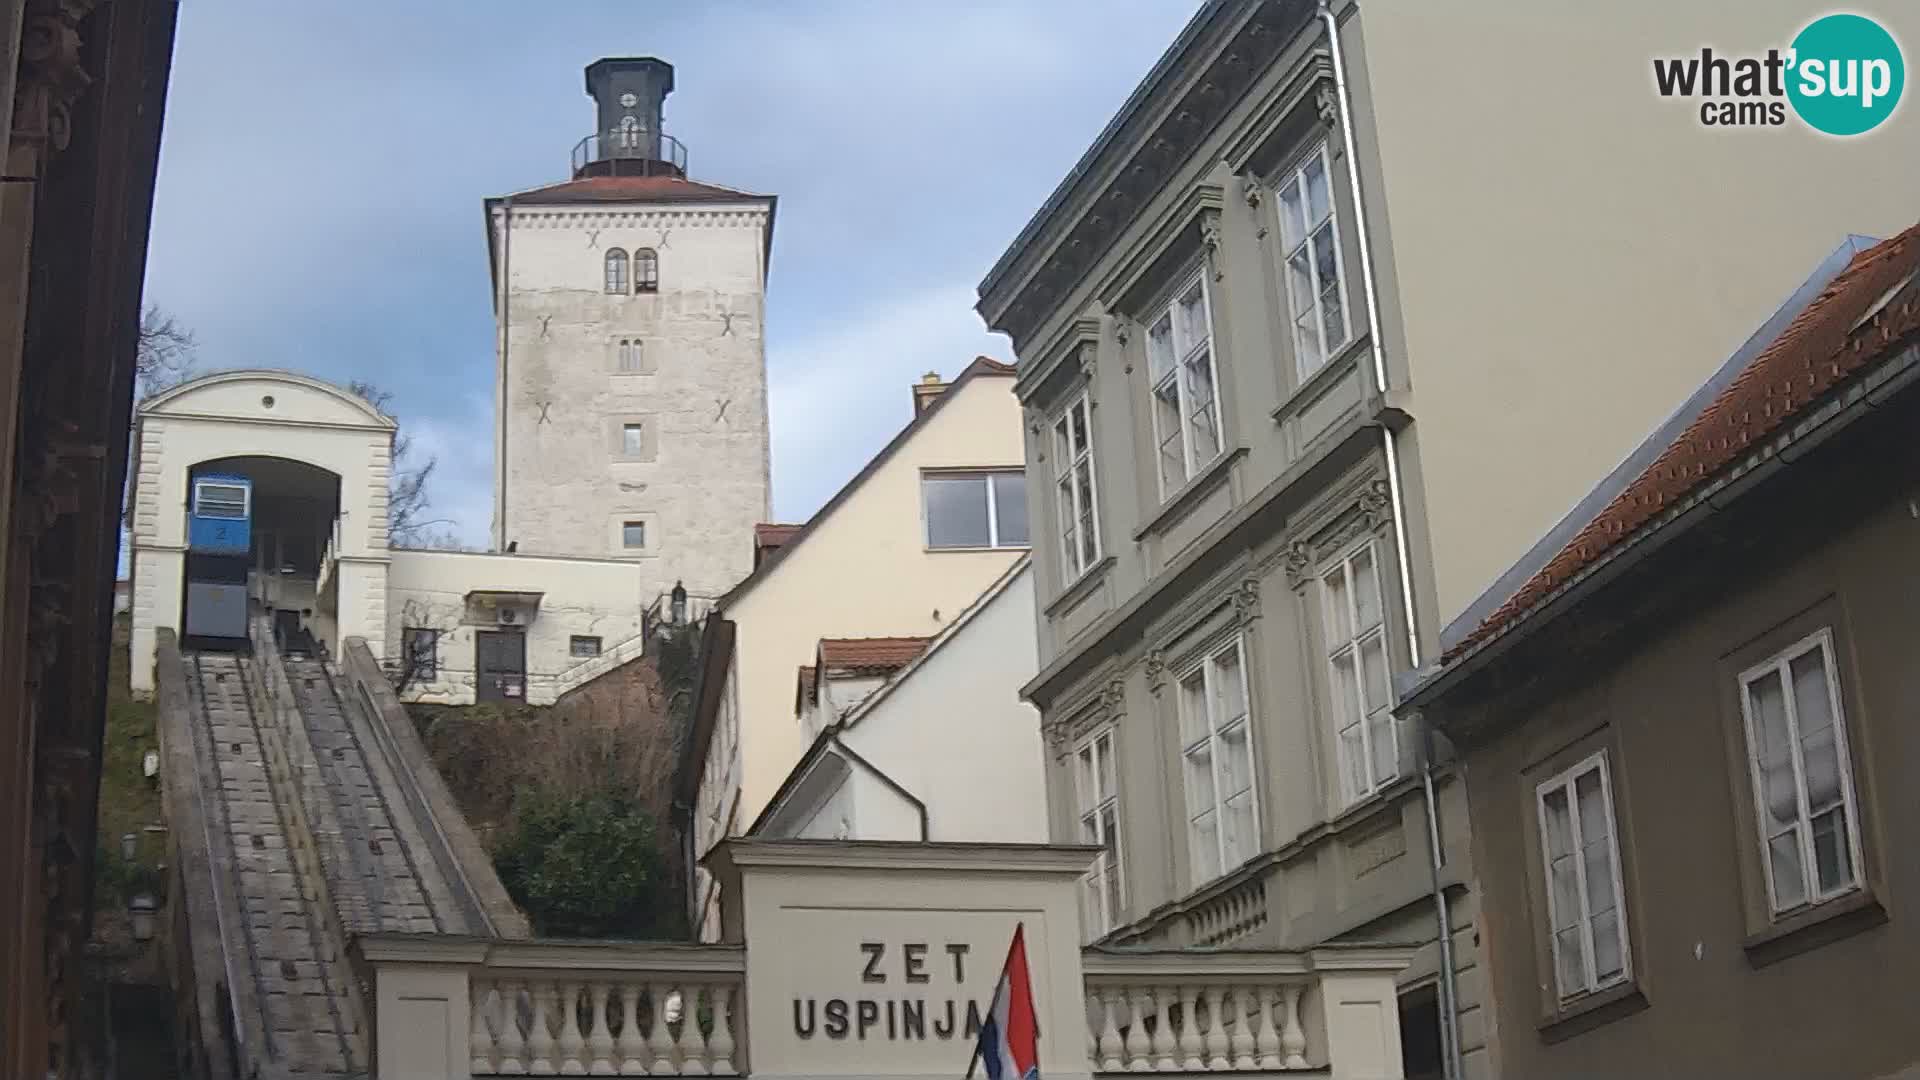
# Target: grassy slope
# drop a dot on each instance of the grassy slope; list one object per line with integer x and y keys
{"x": 128, "y": 801}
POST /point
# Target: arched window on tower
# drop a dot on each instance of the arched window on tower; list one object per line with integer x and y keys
{"x": 617, "y": 272}
{"x": 646, "y": 270}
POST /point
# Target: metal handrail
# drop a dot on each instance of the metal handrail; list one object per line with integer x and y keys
{"x": 640, "y": 151}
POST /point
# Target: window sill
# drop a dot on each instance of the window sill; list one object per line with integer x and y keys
{"x": 976, "y": 550}
{"x": 1080, "y": 587}
{"x": 1182, "y": 500}
{"x": 1594, "y": 1010}
{"x": 1324, "y": 376}
{"x": 1841, "y": 917}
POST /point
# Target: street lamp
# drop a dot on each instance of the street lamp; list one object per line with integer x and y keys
{"x": 679, "y": 608}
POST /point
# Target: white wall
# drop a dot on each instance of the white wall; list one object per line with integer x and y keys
{"x": 864, "y": 571}
{"x": 954, "y": 732}
{"x": 428, "y": 589}
{"x": 701, "y": 395}
{"x": 264, "y": 414}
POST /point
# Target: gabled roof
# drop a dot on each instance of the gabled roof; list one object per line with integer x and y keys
{"x": 617, "y": 189}
{"x": 979, "y": 368}
{"x": 870, "y": 656}
{"x": 1815, "y": 352}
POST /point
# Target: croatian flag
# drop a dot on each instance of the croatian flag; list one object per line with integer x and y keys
{"x": 1009, "y": 1037}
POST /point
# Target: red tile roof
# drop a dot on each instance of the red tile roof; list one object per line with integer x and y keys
{"x": 805, "y": 689}
{"x": 613, "y": 189}
{"x": 767, "y": 535}
{"x": 1816, "y": 351}
{"x": 991, "y": 364}
{"x": 872, "y": 655}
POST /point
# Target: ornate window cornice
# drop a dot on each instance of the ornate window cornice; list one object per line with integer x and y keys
{"x": 51, "y": 76}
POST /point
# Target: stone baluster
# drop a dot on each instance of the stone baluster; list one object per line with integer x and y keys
{"x": 479, "y": 1034}
{"x": 1163, "y": 1042}
{"x": 1137, "y": 1046}
{"x": 659, "y": 1043}
{"x": 539, "y": 1035}
{"x": 572, "y": 1043}
{"x": 720, "y": 1047}
{"x": 511, "y": 1045}
{"x": 1109, "y": 1058}
{"x": 693, "y": 1044}
{"x": 599, "y": 1031}
{"x": 1242, "y": 1033}
{"x": 1293, "y": 1041}
{"x": 1266, "y": 1041}
{"x": 633, "y": 1044}
{"x": 1217, "y": 1028}
{"x": 1190, "y": 1029}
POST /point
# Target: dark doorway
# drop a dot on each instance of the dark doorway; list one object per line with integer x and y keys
{"x": 500, "y": 662}
{"x": 1420, "y": 1047}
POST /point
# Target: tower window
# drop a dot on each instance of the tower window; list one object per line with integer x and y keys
{"x": 627, "y": 352}
{"x": 617, "y": 272}
{"x": 633, "y": 534}
{"x": 630, "y": 441}
{"x": 646, "y": 271}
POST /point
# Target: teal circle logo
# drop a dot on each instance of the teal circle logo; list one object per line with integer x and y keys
{"x": 1847, "y": 74}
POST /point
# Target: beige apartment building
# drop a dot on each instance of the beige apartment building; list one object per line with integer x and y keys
{"x": 899, "y": 553}
{"x": 1345, "y": 308}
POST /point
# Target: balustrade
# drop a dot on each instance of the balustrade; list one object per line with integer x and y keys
{"x": 1168, "y": 1012}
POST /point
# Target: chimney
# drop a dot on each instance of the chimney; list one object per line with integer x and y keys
{"x": 924, "y": 391}
{"x": 629, "y": 94}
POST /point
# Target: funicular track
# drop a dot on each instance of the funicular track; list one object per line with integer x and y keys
{"x": 307, "y": 1020}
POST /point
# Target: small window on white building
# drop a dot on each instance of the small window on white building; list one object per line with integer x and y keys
{"x": 1186, "y": 405}
{"x": 633, "y": 535}
{"x": 1360, "y": 684}
{"x": 631, "y": 442}
{"x": 214, "y": 499}
{"x": 1316, "y": 294}
{"x": 617, "y": 272}
{"x": 1585, "y": 907}
{"x": 628, "y": 356}
{"x": 1097, "y": 800}
{"x": 583, "y": 646}
{"x": 976, "y": 510}
{"x": 1216, "y": 738}
{"x": 646, "y": 271}
{"x": 1074, "y": 490}
{"x": 1802, "y": 775}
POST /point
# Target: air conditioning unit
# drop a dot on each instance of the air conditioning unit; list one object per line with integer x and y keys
{"x": 507, "y": 616}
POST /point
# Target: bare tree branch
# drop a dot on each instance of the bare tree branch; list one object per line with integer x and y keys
{"x": 165, "y": 354}
{"x": 407, "y": 523}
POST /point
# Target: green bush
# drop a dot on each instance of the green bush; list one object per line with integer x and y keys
{"x": 587, "y": 865}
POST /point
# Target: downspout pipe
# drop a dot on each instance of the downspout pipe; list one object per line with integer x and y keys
{"x": 500, "y": 399}
{"x": 1449, "y": 987}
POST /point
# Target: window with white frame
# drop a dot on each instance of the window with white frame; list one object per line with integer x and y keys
{"x": 616, "y": 272}
{"x": 1802, "y": 776}
{"x": 1216, "y": 740}
{"x": 1360, "y": 682}
{"x": 1586, "y": 912}
{"x": 1097, "y": 800}
{"x": 1316, "y": 287}
{"x": 975, "y": 509}
{"x": 632, "y": 440}
{"x": 1074, "y": 490}
{"x": 1186, "y": 406}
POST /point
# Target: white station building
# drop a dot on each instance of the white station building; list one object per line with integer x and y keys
{"x": 630, "y": 448}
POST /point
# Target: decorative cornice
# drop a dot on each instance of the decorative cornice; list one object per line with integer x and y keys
{"x": 51, "y": 77}
{"x": 1065, "y": 258}
{"x": 1156, "y": 664}
{"x": 1246, "y": 601}
{"x": 1299, "y": 559}
{"x": 1375, "y": 504}
{"x": 1210, "y": 239}
{"x": 1326, "y": 100}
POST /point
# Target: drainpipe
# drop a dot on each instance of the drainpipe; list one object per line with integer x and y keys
{"x": 1449, "y": 997}
{"x": 500, "y": 406}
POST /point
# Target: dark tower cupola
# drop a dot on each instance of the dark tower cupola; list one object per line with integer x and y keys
{"x": 628, "y": 95}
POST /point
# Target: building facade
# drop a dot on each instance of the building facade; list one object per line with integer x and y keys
{"x": 1692, "y": 838}
{"x": 899, "y": 552}
{"x": 1287, "y": 436}
{"x": 939, "y": 748}
{"x": 630, "y": 393}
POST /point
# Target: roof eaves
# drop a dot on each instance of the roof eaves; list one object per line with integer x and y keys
{"x": 981, "y": 366}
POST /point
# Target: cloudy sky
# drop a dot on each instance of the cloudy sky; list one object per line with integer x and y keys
{"x": 324, "y": 164}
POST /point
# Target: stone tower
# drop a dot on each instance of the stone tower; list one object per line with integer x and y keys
{"x": 630, "y": 380}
